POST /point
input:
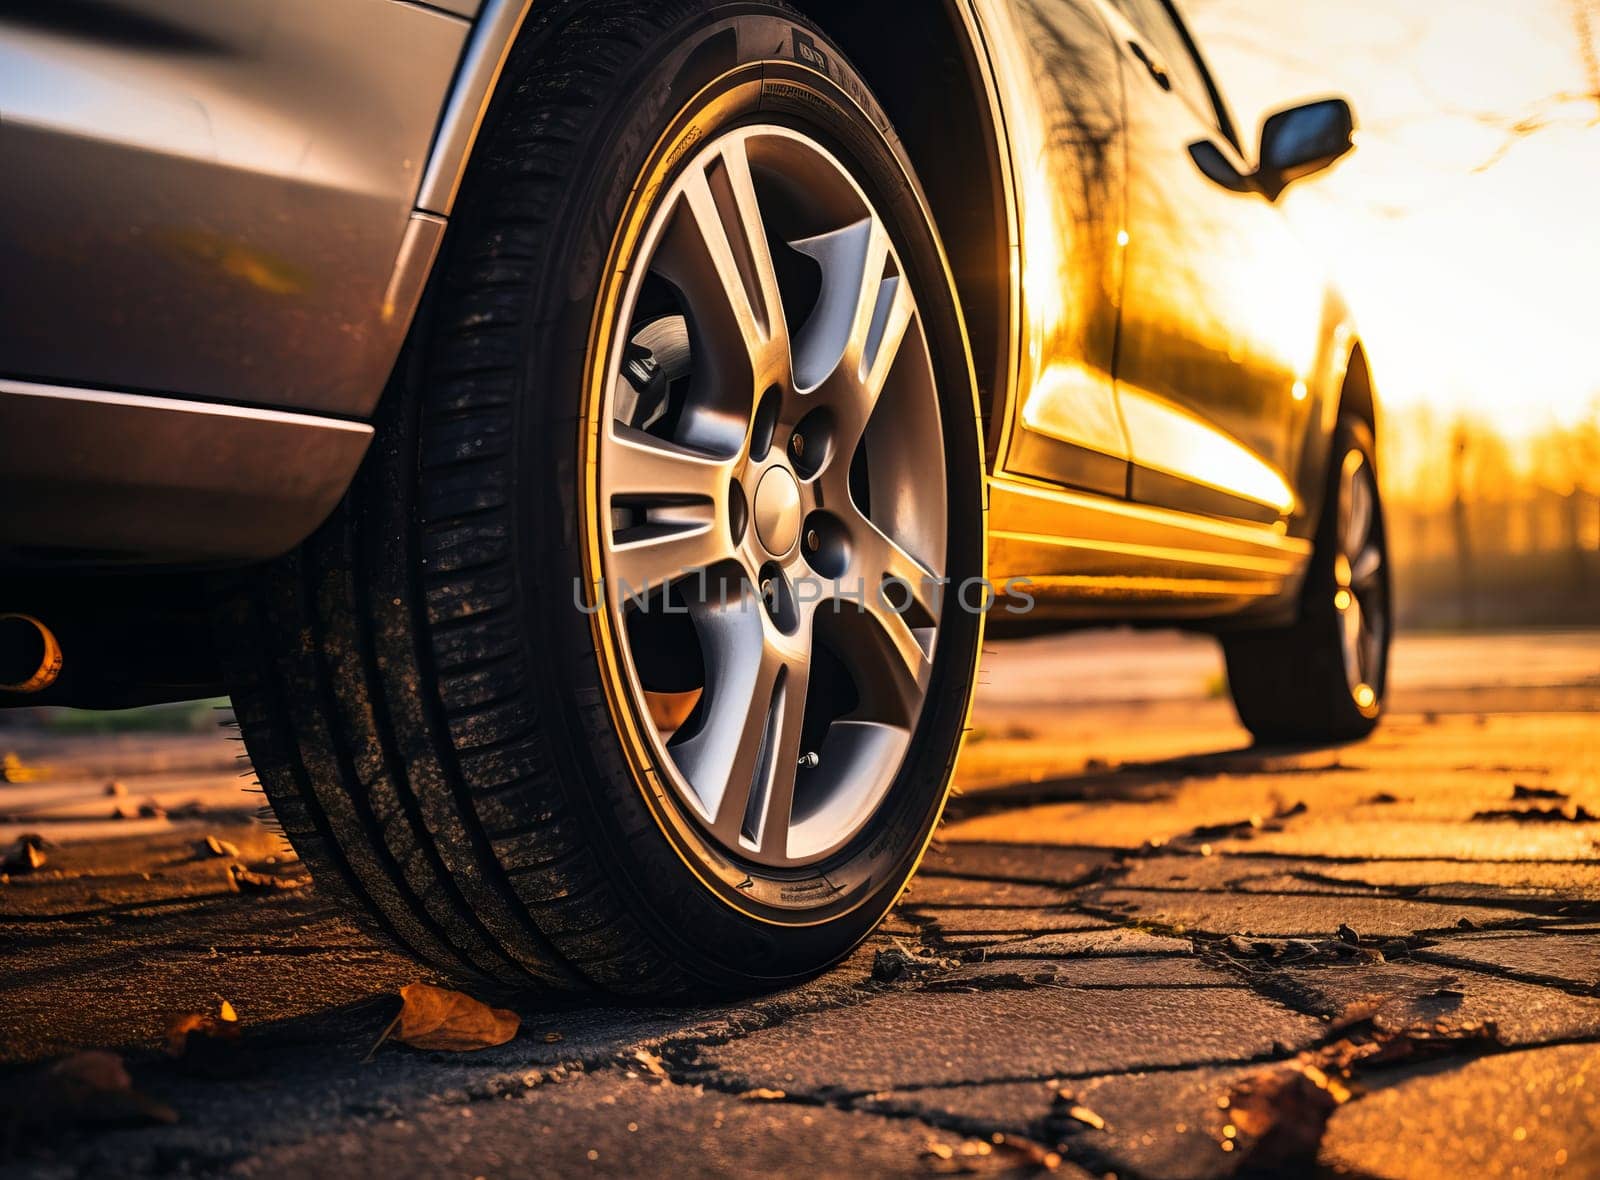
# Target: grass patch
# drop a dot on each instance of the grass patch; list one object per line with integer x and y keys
{"x": 183, "y": 717}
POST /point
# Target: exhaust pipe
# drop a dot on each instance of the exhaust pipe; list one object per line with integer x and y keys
{"x": 30, "y": 654}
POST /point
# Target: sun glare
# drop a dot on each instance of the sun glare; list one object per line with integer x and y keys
{"x": 1462, "y": 230}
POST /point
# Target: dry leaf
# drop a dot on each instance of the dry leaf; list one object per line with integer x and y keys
{"x": 1280, "y": 1113}
{"x": 1087, "y": 1117}
{"x": 12, "y": 770}
{"x": 247, "y": 881}
{"x": 896, "y": 961}
{"x": 764, "y": 1094}
{"x": 1064, "y": 1104}
{"x": 438, "y": 1018}
{"x": 652, "y": 1064}
{"x": 218, "y": 847}
{"x": 208, "y": 1045}
{"x": 1277, "y": 1116}
{"x": 25, "y": 856}
{"x": 91, "y": 1087}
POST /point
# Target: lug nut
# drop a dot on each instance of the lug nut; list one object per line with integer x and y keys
{"x": 810, "y": 760}
{"x": 767, "y": 590}
{"x": 797, "y": 444}
{"x": 813, "y": 542}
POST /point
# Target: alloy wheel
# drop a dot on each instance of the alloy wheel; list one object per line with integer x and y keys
{"x": 1361, "y": 595}
{"x": 771, "y": 473}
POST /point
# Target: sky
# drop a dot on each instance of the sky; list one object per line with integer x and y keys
{"x": 1465, "y": 228}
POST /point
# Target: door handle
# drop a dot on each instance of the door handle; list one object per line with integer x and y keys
{"x": 1157, "y": 70}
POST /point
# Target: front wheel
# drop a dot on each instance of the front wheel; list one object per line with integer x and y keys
{"x": 1323, "y": 678}
{"x": 635, "y": 658}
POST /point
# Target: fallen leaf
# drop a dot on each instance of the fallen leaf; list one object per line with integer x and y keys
{"x": 218, "y": 847}
{"x": 1064, "y": 1105}
{"x": 247, "y": 881}
{"x": 90, "y": 1087}
{"x": 764, "y": 1094}
{"x": 1277, "y": 1116}
{"x": 652, "y": 1064}
{"x": 438, "y": 1018}
{"x": 208, "y": 1045}
{"x": 26, "y": 855}
{"x": 895, "y": 961}
{"x": 13, "y": 770}
{"x": 1087, "y": 1117}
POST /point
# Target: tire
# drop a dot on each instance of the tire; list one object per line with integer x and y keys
{"x": 1305, "y": 682}
{"x": 442, "y": 709}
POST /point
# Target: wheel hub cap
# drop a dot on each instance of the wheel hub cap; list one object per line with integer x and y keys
{"x": 777, "y": 511}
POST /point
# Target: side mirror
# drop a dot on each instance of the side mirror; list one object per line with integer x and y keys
{"x": 1303, "y": 140}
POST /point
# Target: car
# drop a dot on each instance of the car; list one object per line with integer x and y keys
{"x": 587, "y": 440}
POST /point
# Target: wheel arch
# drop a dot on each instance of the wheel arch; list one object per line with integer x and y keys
{"x": 1356, "y": 395}
{"x": 958, "y": 151}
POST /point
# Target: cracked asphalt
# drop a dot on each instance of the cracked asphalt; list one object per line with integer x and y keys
{"x": 1138, "y": 947}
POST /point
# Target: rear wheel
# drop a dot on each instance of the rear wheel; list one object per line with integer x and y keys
{"x": 626, "y": 661}
{"x": 1324, "y": 677}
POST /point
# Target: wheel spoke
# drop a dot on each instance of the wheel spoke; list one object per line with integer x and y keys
{"x": 905, "y": 664}
{"x": 642, "y": 466}
{"x": 742, "y": 763}
{"x": 717, "y": 255}
{"x": 1356, "y": 509}
{"x": 770, "y": 805}
{"x": 835, "y": 337}
{"x": 848, "y": 348}
{"x": 896, "y": 664}
{"x": 672, "y": 501}
{"x": 892, "y": 316}
{"x": 1365, "y": 568}
{"x": 920, "y": 581}
{"x": 1350, "y": 622}
{"x": 657, "y": 555}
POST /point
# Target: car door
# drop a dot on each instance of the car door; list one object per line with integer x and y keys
{"x": 1056, "y": 68}
{"x": 215, "y": 199}
{"x": 1221, "y": 308}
